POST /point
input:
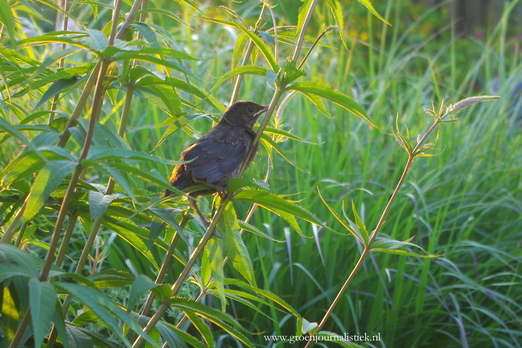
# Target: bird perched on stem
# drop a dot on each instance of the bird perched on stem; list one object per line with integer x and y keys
{"x": 217, "y": 157}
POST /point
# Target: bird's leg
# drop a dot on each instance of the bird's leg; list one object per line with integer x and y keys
{"x": 194, "y": 206}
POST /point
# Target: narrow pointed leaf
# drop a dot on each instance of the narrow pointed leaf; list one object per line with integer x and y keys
{"x": 464, "y": 103}
{"x": 372, "y": 10}
{"x": 212, "y": 264}
{"x": 279, "y": 206}
{"x": 234, "y": 247}
{"x": 336, "y": 97}
{"x": 46, "y": 181}
{"x": 42, "y": 299}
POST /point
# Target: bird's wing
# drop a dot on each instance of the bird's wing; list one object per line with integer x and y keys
{"x": 218, "y": 155}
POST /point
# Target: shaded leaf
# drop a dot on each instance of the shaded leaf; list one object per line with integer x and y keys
{"x": 42, "y": 299}
{"x": 106, "y": 310}
{"x": 219, "y": 318}
{"x": 98, "y": 203}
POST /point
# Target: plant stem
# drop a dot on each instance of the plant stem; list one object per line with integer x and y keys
{"x": 164, "y": 305}
{"x": 6, "y": 238}
{"x": 19, "y": 334}
{"x": 300, "y": 41}
{"x": 165, "y": 265}
{"x": 248, "y": 52}
{"x": 375, "y": 232}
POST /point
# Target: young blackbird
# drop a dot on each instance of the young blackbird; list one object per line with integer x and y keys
{"x": 217, "y": 156}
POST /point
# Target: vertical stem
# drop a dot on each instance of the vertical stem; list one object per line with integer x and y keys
{"x": 301, "y": 38}
{"x": 375, "y": 232}
{"x": 248, "y": 52}
{"x": 162, "y": 308}
{"x": 19, "y": 334}
{"x": 6, "y": 238}
{"x": 165, "y": 265}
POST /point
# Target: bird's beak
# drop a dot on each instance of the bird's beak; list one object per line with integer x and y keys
{"x": 265, "y": 107}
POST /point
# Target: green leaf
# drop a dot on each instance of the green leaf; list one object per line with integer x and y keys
{"x": 130, "y": 234}
{"x": 112, "y": 172}
{"x": 202, "y": 328}
{"x": 265, "y": 50}
{"x": 212, "y": 264}
{"x": 251, "y": 228}
{"x": 464, "y": 103}
{"x": 6, "y": 18}
{"x": 347, "y": 226}
{"x": 336, "y": 97}
{"x": 391, "y": 246}
{"x": 184, "y": 86}
{"x": 98, "y": 203}
{"x": 269, "y": 144}
{"x": 59, "y": 324}
{"x": 104, "y": 153}
{"x": 141, "y": 286}
{"x": 58, "y": 87}
{"x": 177, "y": 338}
{"x": 22, "y": 167}
{"x": 242, "y": 70}
{"x": 65, "y": 37}
{"x": 235, "y": 249}
{"x": 337, "y": 11}
{"x": 77, "y": 337}
{"x": 10, "y": 257}
{"x": 108, "y": 279}
{"x": 284, "y": 134}
{"x": 107, "y": 311}
{"x": 239, "y": 183}
{"x": 12, "y": 131}
{"x": 361, "y": 227}
{"x": 279, "y": 206}
{"x": 301, "y": 17}
{"x": 148, "y": 34}
{"x": 46, "y": 181}
{"x": 372, "y": 10}
{"x": 288, "y": 74}
{"x": 221, "y": 319}
{"x": 265, "y": 294}
{"x": 42, "y": 299}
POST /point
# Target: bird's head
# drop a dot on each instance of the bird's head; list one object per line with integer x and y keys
{"x": 244, "y": 113}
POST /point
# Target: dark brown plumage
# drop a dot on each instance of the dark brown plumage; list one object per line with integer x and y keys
{"x": 217, "y": 156}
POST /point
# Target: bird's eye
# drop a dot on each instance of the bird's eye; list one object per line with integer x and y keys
{"x": 251, "y": 110}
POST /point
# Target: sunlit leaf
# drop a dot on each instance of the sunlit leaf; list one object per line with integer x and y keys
{"x": 370, "y": 8}
{"x": 46, "y": 181}
{"x": 336, "y": 97}
{"x": 279, "y": 206}
{"x": 212, "y": 263}
{"x": 234, "y": 247}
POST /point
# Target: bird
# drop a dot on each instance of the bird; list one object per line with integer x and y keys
{"x": 217, "y": 156}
